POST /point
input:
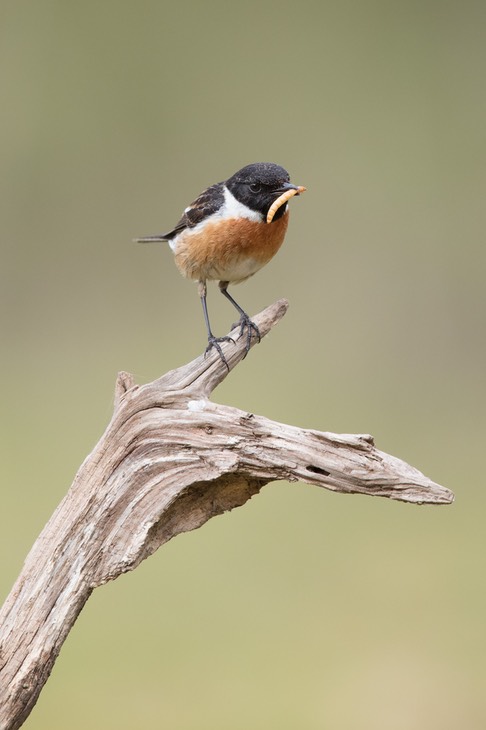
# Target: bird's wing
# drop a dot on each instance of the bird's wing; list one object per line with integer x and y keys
{"x": 207, "y": 203}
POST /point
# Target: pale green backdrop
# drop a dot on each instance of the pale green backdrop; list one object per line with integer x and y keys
{"x": 303, "y": 609}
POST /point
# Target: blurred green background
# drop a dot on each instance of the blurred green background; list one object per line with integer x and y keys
{"x": 303, "y": 609}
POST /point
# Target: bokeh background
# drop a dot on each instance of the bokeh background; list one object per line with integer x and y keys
{"x": 303, "y": 609}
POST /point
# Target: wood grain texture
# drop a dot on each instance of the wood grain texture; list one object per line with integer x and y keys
{"x": 169, "y": 460}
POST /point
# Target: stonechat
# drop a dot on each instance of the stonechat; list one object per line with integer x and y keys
{"x": 229, "y": 232}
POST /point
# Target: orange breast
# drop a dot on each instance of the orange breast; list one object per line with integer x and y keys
{"x": 230, "y": 249}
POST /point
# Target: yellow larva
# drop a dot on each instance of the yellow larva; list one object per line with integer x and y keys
{"x": 281, "y": 200}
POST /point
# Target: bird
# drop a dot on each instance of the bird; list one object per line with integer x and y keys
{"x": 229, "y": 232}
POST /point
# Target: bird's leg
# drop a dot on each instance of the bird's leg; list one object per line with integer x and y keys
{"x": 245, "y": 321}
{"x": 212, "y": 340}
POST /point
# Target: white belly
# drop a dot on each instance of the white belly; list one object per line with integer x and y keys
{"x": 235, "y": 271}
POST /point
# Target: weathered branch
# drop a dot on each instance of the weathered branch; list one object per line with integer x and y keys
{"x": 169, "y": 460}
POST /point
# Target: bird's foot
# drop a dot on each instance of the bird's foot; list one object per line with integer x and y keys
{"x": 214, "y": 342}
{"x": 245, "y": 323}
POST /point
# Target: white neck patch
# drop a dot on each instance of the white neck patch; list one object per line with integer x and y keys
{"x": 232, "y": 208}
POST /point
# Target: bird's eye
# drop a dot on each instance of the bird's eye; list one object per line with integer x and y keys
{"x": 255, "y": 187}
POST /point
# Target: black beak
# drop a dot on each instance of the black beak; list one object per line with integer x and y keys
{"x": 286, "y": 186}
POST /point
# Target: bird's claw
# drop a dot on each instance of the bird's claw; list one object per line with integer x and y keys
{"x": 214, "y": 342}
{"x": 246, "y": 323}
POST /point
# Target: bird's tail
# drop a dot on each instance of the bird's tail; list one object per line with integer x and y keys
{"x": 150, "y": 239}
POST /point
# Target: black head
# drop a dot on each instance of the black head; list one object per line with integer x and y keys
{"x": 258, "y": 185}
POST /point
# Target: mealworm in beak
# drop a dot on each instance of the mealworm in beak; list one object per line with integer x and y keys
{"x": 281, "y": 200}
